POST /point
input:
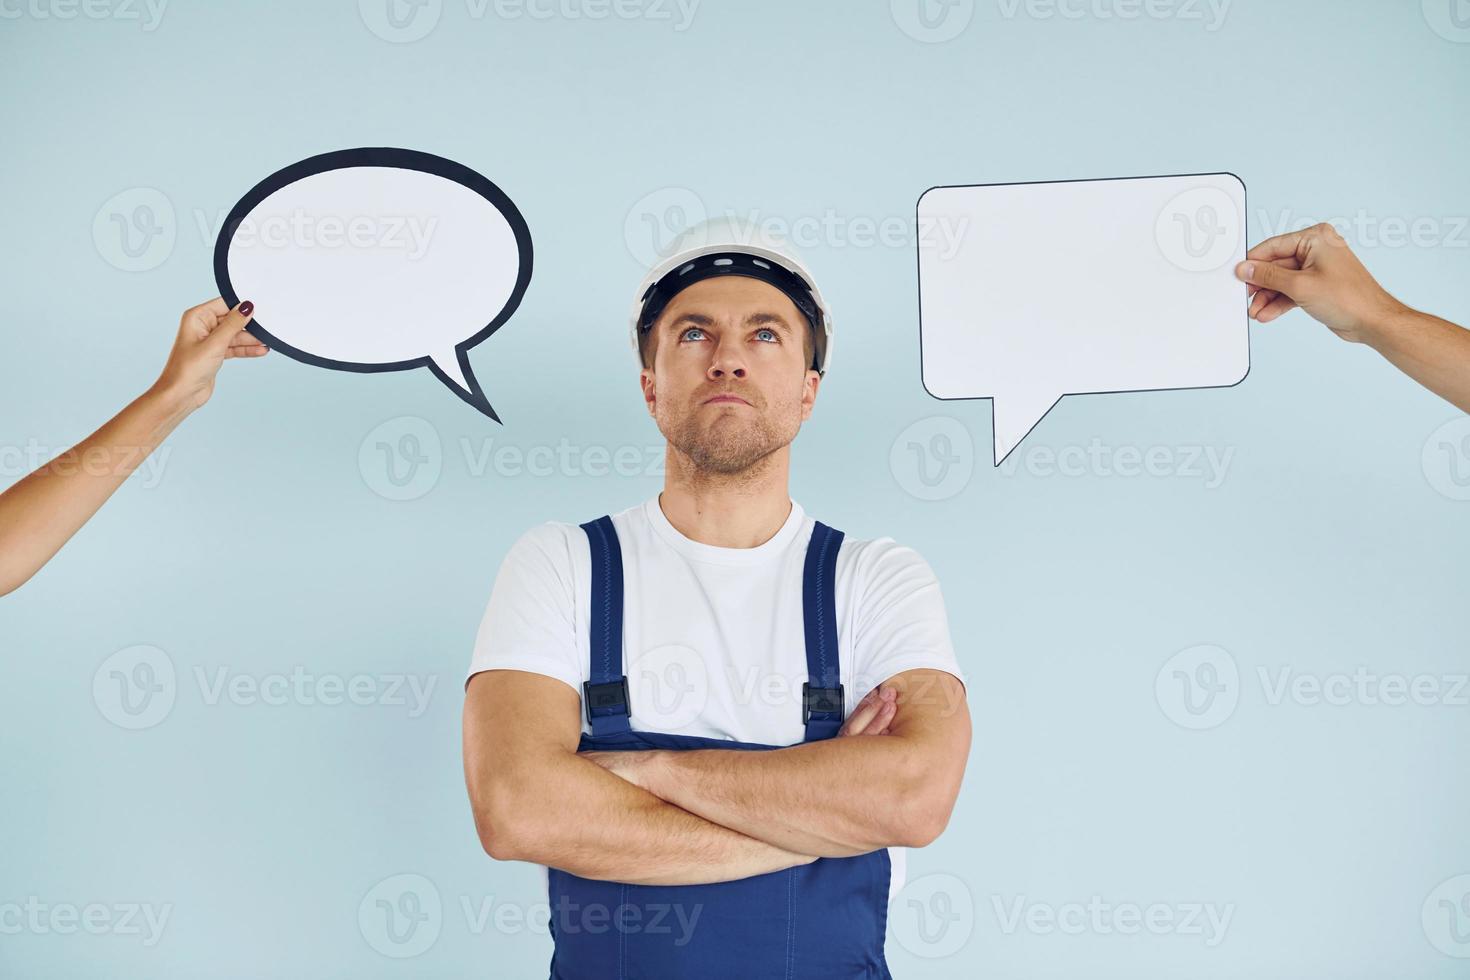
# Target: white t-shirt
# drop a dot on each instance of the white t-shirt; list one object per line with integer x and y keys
{"x": 713, "y": 638}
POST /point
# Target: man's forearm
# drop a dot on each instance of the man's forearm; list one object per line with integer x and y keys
{"x": 1431, "y": 350}
{"x": 834, "y": 798}
{"x": 571, "y": 814}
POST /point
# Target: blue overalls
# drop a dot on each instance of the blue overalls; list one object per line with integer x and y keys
{"x": 820, "y": 921}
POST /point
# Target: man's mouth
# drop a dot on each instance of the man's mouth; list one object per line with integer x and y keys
{"x": 718, "y": 399}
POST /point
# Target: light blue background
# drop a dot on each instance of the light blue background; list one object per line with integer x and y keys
{"x": 1326, "y": 548}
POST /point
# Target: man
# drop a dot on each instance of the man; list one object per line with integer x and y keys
{"x": 653, "y": 698}
{"x": 41, "y": 513}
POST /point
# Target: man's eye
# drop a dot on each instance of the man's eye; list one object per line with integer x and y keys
{"x": 692, "y": 330}
{"x": 769, "y": 331}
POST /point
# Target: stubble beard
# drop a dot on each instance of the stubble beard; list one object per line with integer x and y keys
{"x": 728, "y": 442}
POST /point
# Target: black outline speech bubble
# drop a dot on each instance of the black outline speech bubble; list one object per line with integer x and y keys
{"x": 401, "y": 159}
{"x": 919, "y": 277}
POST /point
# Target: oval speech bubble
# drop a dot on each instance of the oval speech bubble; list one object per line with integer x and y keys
{"x": 377, "y": 259}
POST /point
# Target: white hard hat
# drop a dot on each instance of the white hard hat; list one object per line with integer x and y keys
{"x": 730, "y": 246}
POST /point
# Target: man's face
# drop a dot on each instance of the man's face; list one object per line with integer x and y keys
{"x": 742, "y": 340}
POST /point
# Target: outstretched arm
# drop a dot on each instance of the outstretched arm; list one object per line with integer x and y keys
{"x": 1317, "y": 271}
{"x": 535, "y": 799}
{"x": 834, "y": 798}
{"x": 40, "y": 513}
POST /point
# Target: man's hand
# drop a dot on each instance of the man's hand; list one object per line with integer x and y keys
{"x": 800, "y": 798}
{"x": 631, "y": 765}
{"x": 1316, "y": 270}
{"x": 872, "y": 714}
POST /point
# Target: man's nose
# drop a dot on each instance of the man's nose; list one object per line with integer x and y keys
{"x": 728, "y": 360}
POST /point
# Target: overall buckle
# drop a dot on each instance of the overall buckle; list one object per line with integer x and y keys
{"x": 820, "y": 701}
{"x": 607, "y": 698}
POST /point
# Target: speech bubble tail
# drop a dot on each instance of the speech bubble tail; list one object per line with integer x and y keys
{"x": 454, "y": 370}
{"x": 1013, "y": 418}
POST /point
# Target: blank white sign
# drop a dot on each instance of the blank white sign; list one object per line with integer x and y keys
{"x": 377, "y": 259}
{"x": 1035, "y": 291}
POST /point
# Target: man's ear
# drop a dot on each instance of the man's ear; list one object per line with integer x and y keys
{"x": 646, "y": 382}
{"x": 810, "y": 384}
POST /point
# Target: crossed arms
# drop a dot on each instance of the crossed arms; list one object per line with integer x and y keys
{"x": 688, "y": 817}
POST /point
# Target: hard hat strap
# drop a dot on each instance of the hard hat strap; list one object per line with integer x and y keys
{"x": 659, "y": 295}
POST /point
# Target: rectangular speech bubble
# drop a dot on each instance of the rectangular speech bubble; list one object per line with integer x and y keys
{"x": 1082, "y": 287}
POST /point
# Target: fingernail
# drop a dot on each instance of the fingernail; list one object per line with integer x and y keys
{"x": 247, "y": 308}
{"x": 1246, "y": 270}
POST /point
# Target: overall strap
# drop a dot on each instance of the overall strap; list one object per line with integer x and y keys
{"x": 821, "y": 695}
{"x": 605, "y": 693}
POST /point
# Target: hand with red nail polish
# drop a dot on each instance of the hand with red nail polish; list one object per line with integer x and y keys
{"x": 209, "y": 335}
{"x": 40, "y": 513}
